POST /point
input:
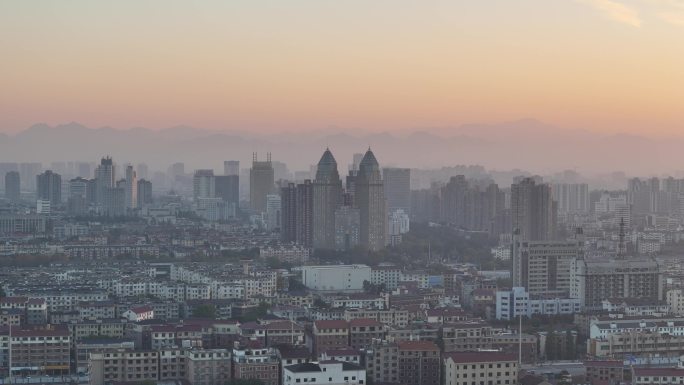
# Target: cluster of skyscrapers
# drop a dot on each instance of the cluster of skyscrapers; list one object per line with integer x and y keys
{"x": 325, "y": 215}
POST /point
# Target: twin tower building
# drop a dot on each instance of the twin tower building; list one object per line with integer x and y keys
{"x": 325, "y": 215}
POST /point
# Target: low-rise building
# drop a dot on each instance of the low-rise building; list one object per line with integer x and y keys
{"x": 324, "y": 372}
{"x": 490, "y": 368}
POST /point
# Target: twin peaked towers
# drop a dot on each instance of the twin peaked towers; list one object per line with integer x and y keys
{"x": 324, "y": 215}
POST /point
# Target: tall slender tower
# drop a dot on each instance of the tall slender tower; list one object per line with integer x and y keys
{"x": 369, "y": 196}
{"x": 533, "y": 210}
{"x": 13, "y": 186}
{"x": 327, "y": 196}
{"x": 131, "y": 188}
{"x": 105, "y": 177}
{"x": 261, "y": 182}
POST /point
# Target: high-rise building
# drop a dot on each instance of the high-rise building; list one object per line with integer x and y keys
{"x": 533, "y": 210}
{"x": 228, "y": 188}
{"x": 231, "y": 167}
{"x": 397, "y": 188}
{"x": 327, "y": 196}
{"x": 12, "y": 186}
{"x": 144, "y": 193}
{"x": 595, "y": 280}
{"x": 204, "y": 184}
{"x": 28, "y": 172}
{"x": 296, "y": 223}
{"x": 261, "y": 182}
{"x": 369, "y": 197}
{"x": 544, "y": 267}
{"x": 571, "y": 197}
{"x": 104, "y": 179}
{"x": 273, "y": 212}
{"x": 131, "y": 188}
{"x": 77, "y": 202}
{"x": 49, "y": 187}
{"x": 6, "y": 167}
{"x": 347, "y": 228}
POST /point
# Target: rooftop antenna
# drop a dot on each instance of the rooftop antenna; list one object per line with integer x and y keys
{"x": 254, "y": 157}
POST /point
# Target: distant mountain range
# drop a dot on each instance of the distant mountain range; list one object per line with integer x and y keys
{"x": 524, "y": 144}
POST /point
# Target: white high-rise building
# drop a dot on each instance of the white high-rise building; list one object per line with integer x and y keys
{"x": 204, "y": 184}
{"x": 273, "y": 209}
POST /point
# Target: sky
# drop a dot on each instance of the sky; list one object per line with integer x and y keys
{"x": 302, "y": 65}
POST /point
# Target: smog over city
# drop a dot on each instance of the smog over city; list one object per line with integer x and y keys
{"x": 342, "y": 192}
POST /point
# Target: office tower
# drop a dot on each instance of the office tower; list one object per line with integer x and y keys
{"x": 426, "y": 204}
{"x": 114, "y": 203}
{"x": 593, "y": 281}
{"x": 296, "y": 222}
{"x": 369, "y": 197}
{"x": 77, "y": 201}
{"x": 280, "y": 171}
{"x": 143, "y": 172}
{"x": 327, "y": 196}
{"x": 347, "y": 228}
{"x": 643, "y": 195}
{"x": 228, "y": 188}
{"x": 12, "y": 186}
{"x": 273, "y": 212}
{"x": 261, "y": 182}
{"x": 78, "y": 187}
{"x": 397, "y": 188}
{"x": 104, "y": 179}
{"x": 204, "y": 184}
{"x": 533, "y": 211}
{"x": 356, "y": 162}
{"x": 28, "y": 172}
{"x": 6, "y": 167}
{"x": 49, "y": 187}
{"x": 131, "y": 188}
{"x": 544, "y": 268}
{"x": 231, "y": 167}
{"x": 144, "y": 193}
{"x": 453, "y": 200}
{"x": 571, "y": 197}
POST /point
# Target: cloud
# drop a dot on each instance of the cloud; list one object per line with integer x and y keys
{"x": 617, "y": 11}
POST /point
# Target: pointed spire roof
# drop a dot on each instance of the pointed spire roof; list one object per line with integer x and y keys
{"x": 327, "y": 167}
{"x": 369, "y": 166}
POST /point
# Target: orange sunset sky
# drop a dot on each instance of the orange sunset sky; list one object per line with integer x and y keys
{"x": 298, "y": 65}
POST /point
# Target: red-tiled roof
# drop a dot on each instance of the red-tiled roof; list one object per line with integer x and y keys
{"x": 142, "y": 309}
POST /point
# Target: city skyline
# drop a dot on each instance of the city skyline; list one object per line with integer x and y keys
{"x": 604, "y": 66}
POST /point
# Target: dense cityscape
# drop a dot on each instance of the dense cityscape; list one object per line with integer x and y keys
{"x": 259, "y": 275}
{"x": 355, "y": 192}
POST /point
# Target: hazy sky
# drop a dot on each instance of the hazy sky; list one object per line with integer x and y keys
{"x": 604, "y": 65}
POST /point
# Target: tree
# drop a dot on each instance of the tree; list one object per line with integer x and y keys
{"x": 205, "y": 311}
